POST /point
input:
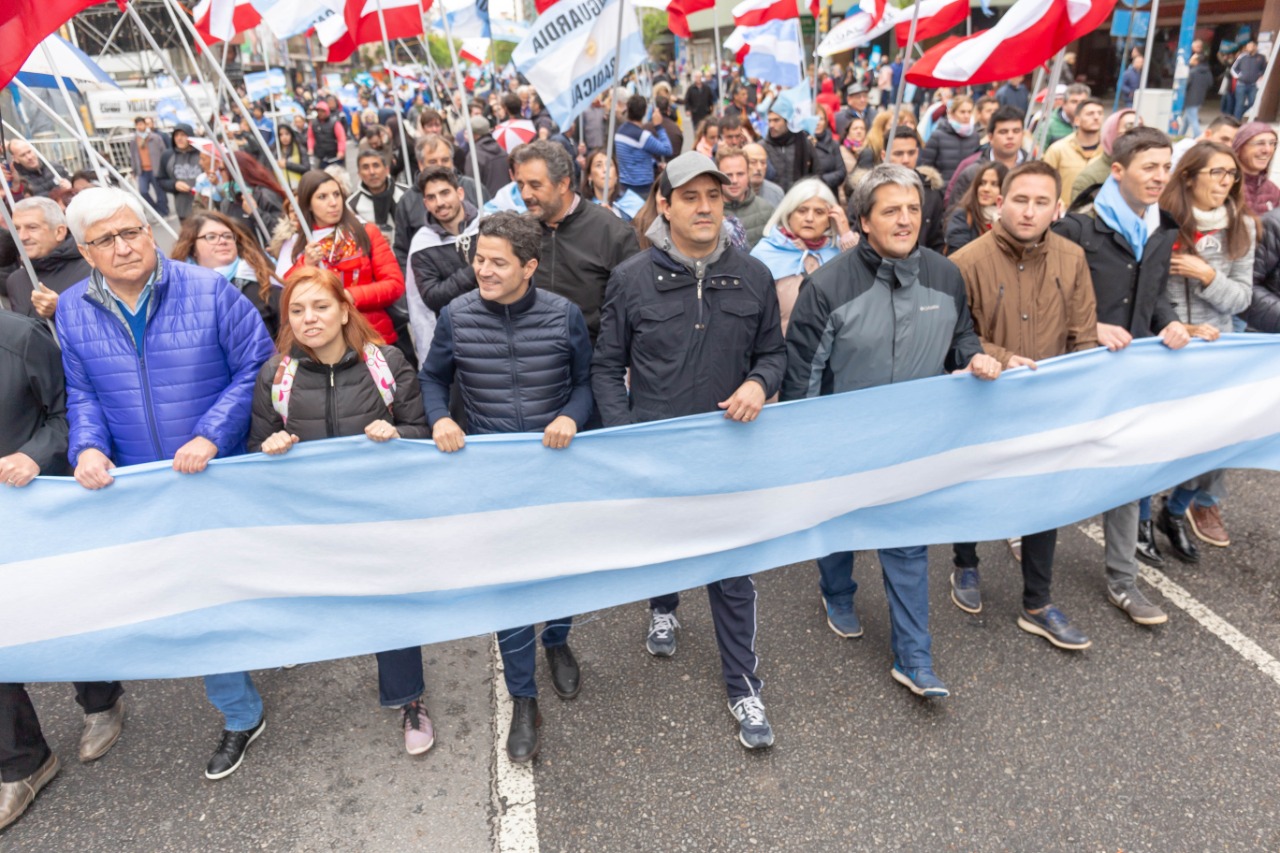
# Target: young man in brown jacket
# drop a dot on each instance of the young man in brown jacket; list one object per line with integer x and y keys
{"x": 1031, "y": 297}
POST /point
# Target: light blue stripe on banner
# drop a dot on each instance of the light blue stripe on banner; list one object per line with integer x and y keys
{"x": 965, "y": 460}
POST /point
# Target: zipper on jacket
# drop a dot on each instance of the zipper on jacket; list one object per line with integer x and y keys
{"x": 331, "y": 407}
{"x": 145, "y": 378}
{"x": 511, "y": 361}
{"x": 700, "y": 325}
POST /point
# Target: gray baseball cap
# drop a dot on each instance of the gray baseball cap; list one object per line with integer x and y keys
{"x": 856, "y": 89}
{"x": 685, "y": 168}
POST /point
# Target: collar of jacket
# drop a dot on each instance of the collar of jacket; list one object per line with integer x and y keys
{"x": 1167, "y": 224}
{"x": 306, "y": 362}
{"x": 659, "y": 235}
{"x": 469, "y": 220}
{"x": 576, "y": 207}
{"x": 749, "y": 197}
{"x": 1015, "y": 248}
{"x": 894, "y": 272}
{"x": 159, "y": 281}
{"x": 63, "y": 254}
{"x": 521, "y": 305}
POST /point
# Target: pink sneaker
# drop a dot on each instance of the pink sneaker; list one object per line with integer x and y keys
{"x": 419, "y": 735}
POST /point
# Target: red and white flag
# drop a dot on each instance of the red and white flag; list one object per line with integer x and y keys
{"x": 220, "y": 20}
{"x": 678, "y": 12}
{"x": 753, "y": 13}
{"x": 936, "y": 18}
{"x": 26, "y": 23}
{"x": 360, "y": 24}
{"x": 1029, "y": 34}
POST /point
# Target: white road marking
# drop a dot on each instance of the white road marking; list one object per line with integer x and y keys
{"x": 1215, "y": 624}
{"x": 514, "y": 797}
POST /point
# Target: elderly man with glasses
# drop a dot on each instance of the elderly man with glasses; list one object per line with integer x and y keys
{"x": 160, "y": 360}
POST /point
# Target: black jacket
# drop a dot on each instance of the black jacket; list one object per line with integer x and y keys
{"x": 699, "y": 101}
{"x": 791, "y": 156}
{"x": 441, "y": 264}
{"x": 828, "y": 162}
{"x": 1199, "y": 84}
{"x": 494, "y": 174}
{"x": 37, "y": 181}
{"x": 689, "y": 343}
{"x": 579, "y": 254}
{"x": 411, "y": 214}
{"x": 1264, "y": 312}
{"x": 270, "y": 208}
{"x": 33, "y": 419}
{"x": 328, "y": 402}
{"x": 959, "y": 233}
{"x": 518, "y": 366}
{"x": 177, "y": 166}
{"x": 58, "y": 270}
{"x": 946, "y": 149}
{"x": 1131, "y": 294}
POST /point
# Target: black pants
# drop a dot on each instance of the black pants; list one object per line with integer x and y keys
{"x": 733, "y": 612}
{"x": 1037, "y": 565}
{"x": 22, "y": 745}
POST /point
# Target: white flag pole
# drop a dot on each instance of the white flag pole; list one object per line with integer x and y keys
{"x": 81, "y": 134}
{"x": 106, "y": 164}
{"x": 462, "y": 89}
{"x": 395, "y": 97}
{"x": 266, "y": 61}
{"x": 902, "y": 82}
{"x": 1042, "y": 132}
{"x": 720, "y": 92}
{"x": 613, "y": 105}
{"x": 253, "y": 127}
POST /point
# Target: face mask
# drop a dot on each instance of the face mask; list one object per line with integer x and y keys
{"x": 965, "y": 129}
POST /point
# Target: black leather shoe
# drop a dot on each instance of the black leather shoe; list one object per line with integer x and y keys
{"x": 230, "y": 753}
{"x": 1147, "y": 551}
{"x": 522, "y": 740}
{"x": 1180, "y": 538}
{"x": 566, "y": 678}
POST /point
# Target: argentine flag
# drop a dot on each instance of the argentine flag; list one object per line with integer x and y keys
{"x": 775, "y": 53}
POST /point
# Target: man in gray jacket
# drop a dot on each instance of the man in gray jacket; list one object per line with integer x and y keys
{"x": 146, "y": 149}
{"x": 890, "y": 311}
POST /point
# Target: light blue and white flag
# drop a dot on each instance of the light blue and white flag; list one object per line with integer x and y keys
{"x": 505, "y": 29}
{"x": 569, "y": 54}
{"x": 348, "y": 547}
{"x": 775, "y": 53}
{"x": 260, "y": 84}
{"x": 288, "y": 18}
{"x": 469, "y": 22}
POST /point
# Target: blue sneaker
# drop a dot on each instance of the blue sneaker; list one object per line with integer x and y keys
{"x": 1055, "y": 627}
{"x": 920, "y": 681}
{"x": 964, "y": 590}
{"x": 842, "y": 618}
{"x": 754, "y": 731}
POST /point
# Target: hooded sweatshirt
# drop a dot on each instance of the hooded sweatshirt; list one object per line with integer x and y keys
{"x": 180, "y": 165}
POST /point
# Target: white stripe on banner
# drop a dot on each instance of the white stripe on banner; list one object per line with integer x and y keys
{"x": 346, "y": 547}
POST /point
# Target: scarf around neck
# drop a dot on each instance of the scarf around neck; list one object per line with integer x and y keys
{"x": 382, "y": 201}
{"x": 1112, "y": 209}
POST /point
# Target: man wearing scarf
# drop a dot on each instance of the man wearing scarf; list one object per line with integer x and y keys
{"x": 375, "y": 199}
{"x": 1128, "y": 243}
{"x": 790, "y": 152}
{"x": 889, "y": 311}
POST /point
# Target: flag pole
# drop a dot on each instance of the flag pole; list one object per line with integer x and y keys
{"x": 266, "y": 60}
{"x": 1031, "y": 101}
{"x": 462, "y": 89}
{"x": 902, "y": 83}
{"x": 720, "y": 92}
{"x": 81, "y": 135}
{"x": 111, "y": 170}
{"x": 1042, "y": 132}
{"x": 1151, "y": 41}
{"x": 22, "y": 251}
{"x": 253, "y": 127}
{"x": 613, "y": 99}
{"x": 232, "y": 166}
{"x": 395, "y": 97}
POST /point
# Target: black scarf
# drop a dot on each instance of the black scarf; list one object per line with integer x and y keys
{"x": 382, "y": 201}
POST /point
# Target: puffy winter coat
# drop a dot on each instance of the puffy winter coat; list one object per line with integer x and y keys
{"x": 327, "y": 401}
{"x": 374, "y": 283}
{"x": 1264, "y": 310}
{"x": 201, "y": 349}
{"x": 518, "y": 366}
{"x": 946, "y": 149}
{"x": 827, "y": 162}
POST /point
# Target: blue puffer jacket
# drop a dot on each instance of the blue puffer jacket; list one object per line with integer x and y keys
{"x": 202, "y": 348}
{"x": 518, "y": 366}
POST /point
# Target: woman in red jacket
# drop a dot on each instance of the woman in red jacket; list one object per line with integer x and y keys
{"x": 354, "y": 250}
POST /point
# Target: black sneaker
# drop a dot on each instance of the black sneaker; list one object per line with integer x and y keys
{"x": 230, "y": 752}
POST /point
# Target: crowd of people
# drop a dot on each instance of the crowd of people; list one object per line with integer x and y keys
{"x": 516, "y": 276}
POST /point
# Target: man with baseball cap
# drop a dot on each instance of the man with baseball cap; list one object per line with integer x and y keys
{"x": 696, "y": 323}
{"x": 855, "y": 106}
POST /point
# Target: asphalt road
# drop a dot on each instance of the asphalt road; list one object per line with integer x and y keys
{"x": 1154, "y": 739}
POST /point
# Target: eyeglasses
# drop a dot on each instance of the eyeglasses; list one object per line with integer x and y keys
{"x": 129, "y": 235}
{"x": 1219, "y": 174}
{"x": 214, "y": 239}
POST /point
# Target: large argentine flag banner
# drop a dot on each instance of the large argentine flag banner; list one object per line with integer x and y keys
{"x": 570, "y": 53}
{"x": 348, "y": 547}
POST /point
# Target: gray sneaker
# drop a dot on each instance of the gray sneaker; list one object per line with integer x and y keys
{"x": 661, "y": 642}
{"x": 754, "y": 731}
{"x": 1135, "y": 604}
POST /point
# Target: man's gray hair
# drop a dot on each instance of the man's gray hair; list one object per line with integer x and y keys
{"x": 559, "y": 164}
{"x": 1079, "y": 89}
{"x": 800, "y": 192}
{"x": 95, "y": 204}
{"x": 49, "y": 209}
{"x": 886, "y": 173}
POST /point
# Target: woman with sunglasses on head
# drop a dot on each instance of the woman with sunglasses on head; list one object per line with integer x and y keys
{"x": 211, "y": 240}
{"x": 1210, "y": 281}
{"x": 333, "y": 376}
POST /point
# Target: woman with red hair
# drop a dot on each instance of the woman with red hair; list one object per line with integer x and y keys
{"x": 333, "y": 376}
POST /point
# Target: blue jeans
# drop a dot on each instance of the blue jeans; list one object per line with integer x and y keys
{"x": 1205, "y": 491}
{"x": 234, "y": 695}
{"x": 149, "y": 188}
{"x": 1144, "y": 509}
{"x": 400, "y": 677}
{"x": 1191, "y": 121}
{"x": 519, "y": 649}
{"x": 906, "y": 585}
{"x": 1245, "y": 95}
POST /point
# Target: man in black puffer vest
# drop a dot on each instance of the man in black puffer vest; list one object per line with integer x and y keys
{"x": 522, "y": 359}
